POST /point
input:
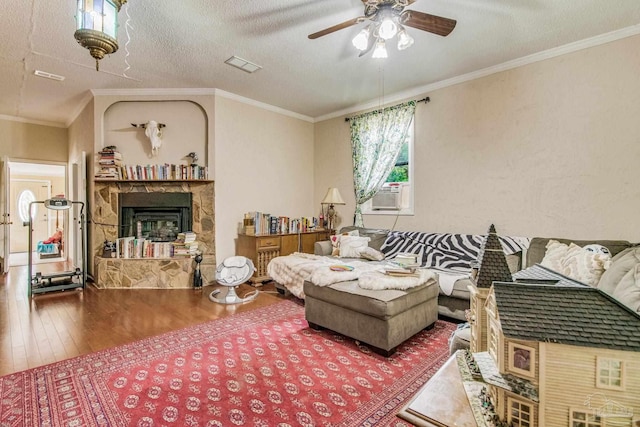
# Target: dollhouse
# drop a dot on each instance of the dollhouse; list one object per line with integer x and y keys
{"x": 552, "y": 355}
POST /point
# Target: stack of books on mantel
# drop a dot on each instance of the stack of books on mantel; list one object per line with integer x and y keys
{"x": 110, "y": 162}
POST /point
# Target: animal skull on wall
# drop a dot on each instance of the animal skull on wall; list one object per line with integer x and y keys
{"x": 153, "y": 131}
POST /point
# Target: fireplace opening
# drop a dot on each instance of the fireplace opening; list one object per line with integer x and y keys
{"x": 158, "y": 217}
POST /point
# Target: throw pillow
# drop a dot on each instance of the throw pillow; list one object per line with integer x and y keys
{"x": 350, "y": 246}
{"x": 598, "y": 249}
{"x": 583, "y": 265}
{"x": 335, "y": 241}
{"x": 554, "y": 255}
{"x": 628, "y": 290}
{"x": 371, "y": 254}
{"x": 620, "y": 266}
{"x": 377, "y": 235}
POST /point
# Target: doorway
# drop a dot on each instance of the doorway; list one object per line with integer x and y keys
{"x": 36, "y": 182}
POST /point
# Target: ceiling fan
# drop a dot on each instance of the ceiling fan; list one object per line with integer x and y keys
{"x": 388, "y": 18}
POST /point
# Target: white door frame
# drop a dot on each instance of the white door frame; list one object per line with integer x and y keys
{"x": 5, "y": 220}
{"x": 35, "y": 162}
{"x": 78, "y": 192}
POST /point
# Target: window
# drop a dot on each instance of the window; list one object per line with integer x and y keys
{"x": 493, "y": 341}
{"x": 400, "y": 172}
{"x": 522, "y": 359}
{"x": 610, "y": 374}
{"x": 584, "y": 419}
{"x": 520, "y": 413}
{"x": 24, "y": 199}
{"x": 398, "y": 185}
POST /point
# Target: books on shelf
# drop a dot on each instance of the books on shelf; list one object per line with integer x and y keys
{"x": 165, "y": 172}
{"x": 111, "y": 167}
{"x": 110, "y": 163}
{"x": 257, "y": 223}
{"x": 131, "y": 247}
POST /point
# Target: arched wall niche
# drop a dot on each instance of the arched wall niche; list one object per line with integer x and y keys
{"x": 186, "y": 131}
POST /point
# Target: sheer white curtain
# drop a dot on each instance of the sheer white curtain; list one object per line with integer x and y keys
{"x": 376, "y": 140}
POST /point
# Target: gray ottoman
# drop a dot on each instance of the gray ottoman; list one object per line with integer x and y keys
{"x": 383, "y": 319}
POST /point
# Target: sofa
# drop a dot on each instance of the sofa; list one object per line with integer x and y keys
{"x": 386, "y": 318}
{"x": 454, "y": 302}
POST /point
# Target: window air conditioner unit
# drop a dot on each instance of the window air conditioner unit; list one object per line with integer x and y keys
{"x": 388, "y": 198}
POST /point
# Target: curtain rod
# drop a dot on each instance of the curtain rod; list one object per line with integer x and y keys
{"x": 426, "y": 100}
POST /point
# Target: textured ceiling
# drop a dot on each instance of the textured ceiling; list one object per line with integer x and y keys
{"x": 183, "y": 44}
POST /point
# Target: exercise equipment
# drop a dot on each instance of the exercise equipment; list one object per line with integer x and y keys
{"x": 233, "y": 272}
{"x": 60, "y": 280}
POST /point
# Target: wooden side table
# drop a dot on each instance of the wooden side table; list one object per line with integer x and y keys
{"x": 261, "y": 249}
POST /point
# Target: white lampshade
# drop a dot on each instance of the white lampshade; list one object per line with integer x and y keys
{"x": 333, "y": 197}
{"x": 361, "y": 40}
{"x": 388, "y": 28}
{"x": 404, "y": 40}
{"x": 380, "y": 51}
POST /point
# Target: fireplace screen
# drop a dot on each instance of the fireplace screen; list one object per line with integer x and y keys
{"x": 158, "y": 217}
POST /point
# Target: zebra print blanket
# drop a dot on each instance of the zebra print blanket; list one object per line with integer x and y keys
{"x": 445, "y": 250}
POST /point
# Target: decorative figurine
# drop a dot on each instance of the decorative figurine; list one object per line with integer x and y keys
{"x": 197, "y": 275}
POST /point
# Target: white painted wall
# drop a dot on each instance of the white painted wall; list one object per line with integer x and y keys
{"x": 26, "y": 141}
{"x": 264, "y": 162}
{"x": 547, "y": 149}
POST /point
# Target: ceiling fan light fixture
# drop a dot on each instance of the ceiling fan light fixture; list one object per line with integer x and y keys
{"x": 404, "y": 39}
{"x": 380, "y": 51}
{"x": 361, "y": 40}
{"x": 388, "y": 28}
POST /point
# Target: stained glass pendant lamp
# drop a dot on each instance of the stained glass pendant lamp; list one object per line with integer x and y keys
{"x": 97, "y": 26}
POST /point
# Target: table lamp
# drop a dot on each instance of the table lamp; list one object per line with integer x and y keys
{"x": 332, "y": 198}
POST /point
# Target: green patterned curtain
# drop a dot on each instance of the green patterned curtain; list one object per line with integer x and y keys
{"x": 376, "y": 140}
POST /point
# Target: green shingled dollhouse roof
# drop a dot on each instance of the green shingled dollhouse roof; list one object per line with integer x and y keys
{"x": 580, "y": 316}
{"x": 493, "y": 263}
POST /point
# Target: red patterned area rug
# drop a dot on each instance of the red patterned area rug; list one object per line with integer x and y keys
{"x": 264, "y": 367}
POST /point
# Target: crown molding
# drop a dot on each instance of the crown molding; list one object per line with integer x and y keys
{"x": 262, "y": 105}
{"x": 154, "y": 92}
{"x": 86, "y": 99}
{"x": 32, "y": 122}
{"x": 200, "y": 92}
{"x": 509, "y": 65}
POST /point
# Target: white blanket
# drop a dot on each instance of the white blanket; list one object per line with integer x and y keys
{"x": 324, "y": 276}
{"x": 447, "y": 279}
{"x": 291, "y": 271}
{"x": 376, "y": 280}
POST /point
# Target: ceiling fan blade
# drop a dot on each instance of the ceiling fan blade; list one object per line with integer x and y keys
{"x": 336, "y": 27}
{"x": 431, "y": 23}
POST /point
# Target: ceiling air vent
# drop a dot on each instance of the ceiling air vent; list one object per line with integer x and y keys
{"x": 48, "y": 75}
{"x": 243, "y": 64}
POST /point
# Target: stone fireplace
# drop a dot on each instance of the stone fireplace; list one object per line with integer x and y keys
{"x": 159, "y": 210}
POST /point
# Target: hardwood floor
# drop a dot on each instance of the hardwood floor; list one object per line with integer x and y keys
{"x": 59, "y": 325}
